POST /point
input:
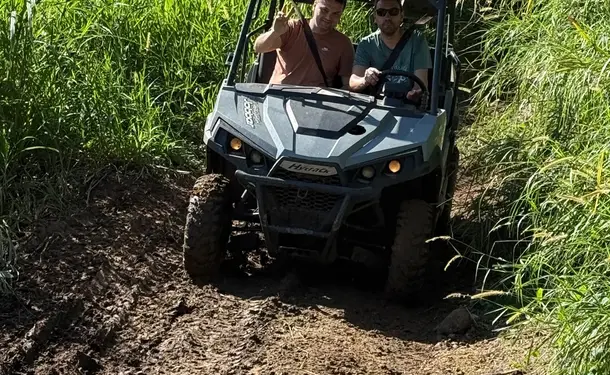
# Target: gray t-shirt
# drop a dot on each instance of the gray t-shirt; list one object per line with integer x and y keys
{"x": 373, "y": 52}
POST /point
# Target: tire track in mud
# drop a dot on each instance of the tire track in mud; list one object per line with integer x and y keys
{"x": 200, "y": 330}
{"x": 27, "y": 350}
{"x": 254, "y": 325}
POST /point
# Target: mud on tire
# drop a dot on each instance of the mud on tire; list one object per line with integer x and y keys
{"x": 207, "y": 228}
{"x": 410, "y": 256}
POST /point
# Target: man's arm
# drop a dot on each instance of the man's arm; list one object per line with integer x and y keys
{"x": 422, "y": 64}
{"x": 362, "y": 77}
{"x": 423, "y": 75}
{"x": 272, "y": 39}
{"x": 362, "y": 74}
{"x": 267, "y": 42}
{"x": 357, "y": 82}
{"x": 416, "y": 91}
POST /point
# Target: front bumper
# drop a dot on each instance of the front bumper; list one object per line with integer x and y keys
{"x": 299, "y": 208}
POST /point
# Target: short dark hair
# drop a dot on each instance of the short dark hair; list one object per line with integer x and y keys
{"x": 342, "y": 2}
{"x": 398, "y": 1}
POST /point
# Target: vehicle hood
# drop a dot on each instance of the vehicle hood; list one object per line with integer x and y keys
{"x": 326, "y": 125}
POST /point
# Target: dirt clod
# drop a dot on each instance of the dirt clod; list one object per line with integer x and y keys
{"x": 86, "y": 363}
{"x": 180, "y": 309}
{"x": 457, "y": 322}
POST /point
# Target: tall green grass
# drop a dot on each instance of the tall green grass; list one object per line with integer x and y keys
{"x": 543, "y": 134}
{"x": 85, "y": 84}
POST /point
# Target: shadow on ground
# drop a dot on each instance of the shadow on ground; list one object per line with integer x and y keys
{"x": 356, "y": 294}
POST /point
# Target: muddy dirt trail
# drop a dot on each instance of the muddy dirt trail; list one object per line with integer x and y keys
{"x": 103, "y": 292}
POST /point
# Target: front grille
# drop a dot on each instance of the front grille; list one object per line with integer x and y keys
{"x": 295, "y": 208}
{"x": 301, "y": 208}
{"x": 294, "y": 176}
{"x": 292, "y": 198}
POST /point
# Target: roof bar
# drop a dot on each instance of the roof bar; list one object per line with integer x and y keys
{"x": 240, "y": 43}
{"x": 436, "y": 73}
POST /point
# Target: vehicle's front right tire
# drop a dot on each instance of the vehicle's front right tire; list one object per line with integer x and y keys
{"x": 207, "y": 228}
{"x": 409, "y": 261}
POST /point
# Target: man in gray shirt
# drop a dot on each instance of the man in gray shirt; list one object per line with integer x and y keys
{"x": 375, "y": 49}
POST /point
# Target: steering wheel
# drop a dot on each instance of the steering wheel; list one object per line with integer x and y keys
{"x": 402, "y": 73}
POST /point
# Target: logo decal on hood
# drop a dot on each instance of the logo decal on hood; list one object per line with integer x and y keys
{"x": 251, "y": 112}
{"x": 318, "y": 170}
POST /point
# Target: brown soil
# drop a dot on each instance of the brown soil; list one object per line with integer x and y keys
{"x": 103, "y": 291}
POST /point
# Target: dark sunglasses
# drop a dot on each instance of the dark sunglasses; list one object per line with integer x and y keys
{"x": 381, "y": 12}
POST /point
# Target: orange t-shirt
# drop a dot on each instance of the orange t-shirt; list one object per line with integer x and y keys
{"x": 295, "y": 64}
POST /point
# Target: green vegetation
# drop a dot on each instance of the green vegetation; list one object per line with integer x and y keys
{"x": 88, "y": 85}
{"x": 543, "y": 132}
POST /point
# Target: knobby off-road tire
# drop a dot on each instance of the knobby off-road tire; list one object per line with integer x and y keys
{"x": 208, "y": 226}
{"x": 410, "y": 256}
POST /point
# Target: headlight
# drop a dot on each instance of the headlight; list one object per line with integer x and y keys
{"x": 256, "y": 157}
{"x": 236, "y": 147}
{"x": 368, "y": 172}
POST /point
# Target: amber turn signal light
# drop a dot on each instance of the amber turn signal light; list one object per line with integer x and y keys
{"x": 235, "y": 144}
{"x": 394, "y": 166}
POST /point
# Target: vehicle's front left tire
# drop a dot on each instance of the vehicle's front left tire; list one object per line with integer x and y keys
{"x": 207, "y": 228}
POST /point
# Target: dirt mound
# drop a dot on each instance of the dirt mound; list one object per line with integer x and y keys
{"x": 103, "y": 292}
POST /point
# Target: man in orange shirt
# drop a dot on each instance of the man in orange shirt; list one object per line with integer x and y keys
{"x": 295, "y": 63}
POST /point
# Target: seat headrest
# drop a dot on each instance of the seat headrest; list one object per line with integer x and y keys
{"x": 266, "y": 66}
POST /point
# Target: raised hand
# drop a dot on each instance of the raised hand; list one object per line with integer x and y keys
{"x": 280, "y": 22}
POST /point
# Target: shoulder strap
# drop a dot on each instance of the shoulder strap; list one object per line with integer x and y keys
{"x": 403, "y": 42}
{"x": 311, "y": 42}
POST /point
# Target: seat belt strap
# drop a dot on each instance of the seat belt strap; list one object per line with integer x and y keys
{"x": 311, "y": 42}
{"x": 403, "y": 42}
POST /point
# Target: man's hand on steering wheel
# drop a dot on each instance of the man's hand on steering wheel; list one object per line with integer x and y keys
{"x": 414, "y": 94}
{"x": 371, "y": 76}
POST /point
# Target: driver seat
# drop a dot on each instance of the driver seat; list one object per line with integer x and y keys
{"x": 262, "y": 68}
{"x": 266, "y": 64}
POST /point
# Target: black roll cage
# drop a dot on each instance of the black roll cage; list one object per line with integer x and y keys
{"x": 444, "y": 10}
